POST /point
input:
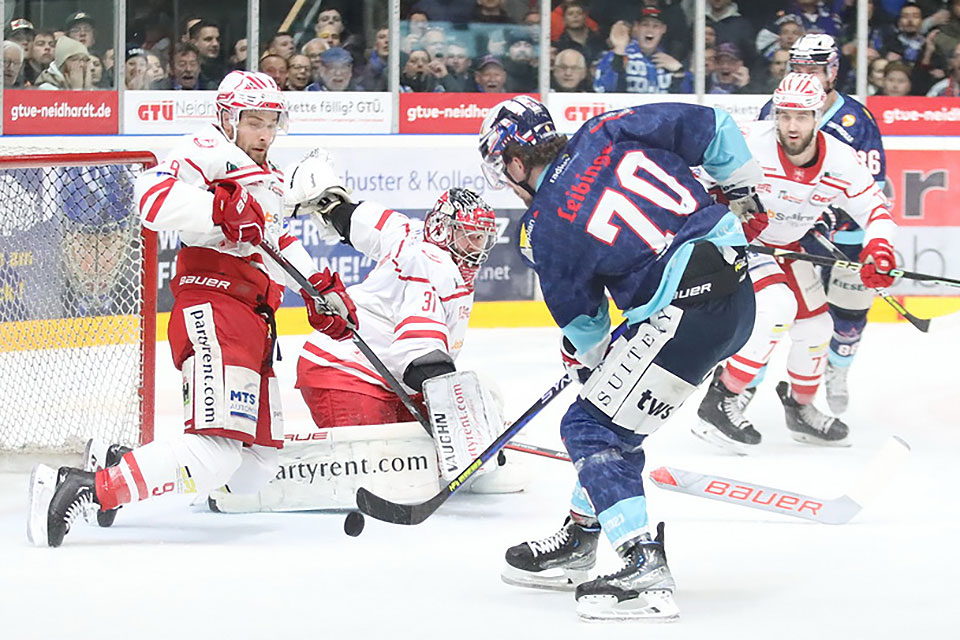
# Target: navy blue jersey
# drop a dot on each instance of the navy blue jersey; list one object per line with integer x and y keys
{"x": 619, "y": 211}
{"x": 851, "y": 122}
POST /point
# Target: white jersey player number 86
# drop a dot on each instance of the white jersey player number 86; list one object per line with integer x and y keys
{"x": 614, "y": 203}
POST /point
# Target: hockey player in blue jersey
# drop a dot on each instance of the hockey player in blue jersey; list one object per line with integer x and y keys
{"x": 616, "y": 210}
{"x": 849, "y": 121}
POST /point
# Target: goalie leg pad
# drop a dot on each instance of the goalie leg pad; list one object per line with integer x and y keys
{"x": 465, "y": 419}
{"x": 323, "y": 470}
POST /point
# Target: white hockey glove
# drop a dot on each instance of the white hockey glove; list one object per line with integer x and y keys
{"x": 313, "y": 187}
{"x": 465, "y": 419}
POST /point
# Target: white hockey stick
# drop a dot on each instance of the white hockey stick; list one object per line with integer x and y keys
{"x": 838, "y": 510}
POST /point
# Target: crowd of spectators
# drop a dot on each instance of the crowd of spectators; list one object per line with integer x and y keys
{"x": 633, "y": 46}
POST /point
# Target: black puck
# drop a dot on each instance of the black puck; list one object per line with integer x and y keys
{"x": 353, "y": 524}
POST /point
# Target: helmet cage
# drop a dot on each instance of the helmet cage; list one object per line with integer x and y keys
{"x": 464, "y": 225}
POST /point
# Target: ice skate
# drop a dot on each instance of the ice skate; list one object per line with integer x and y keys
{"x": 559, "y": 562}
{"x": 96, "y": 456}
{"x": 721, "y": 419}
{"x": 641, "y": 591}
{"x": 56, "y": 501}
{"x": 807, "y": 424}
{"x": 835, "y": 381}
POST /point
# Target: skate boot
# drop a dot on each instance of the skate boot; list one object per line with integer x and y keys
{"x": 807, "y": 424}
{"x": 721, "y": 419}
{"x": 56, "y": 501}
{"x": 836, "y": 382}
{"x": 559, "y": 562}
{"x": 97, "y": 456}
{"x": 642, "y": 590}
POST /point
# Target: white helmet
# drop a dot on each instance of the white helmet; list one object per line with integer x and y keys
{"x": 819, "y": 49}
{"x": 799, "y": 92}
{"x": 250, "y": 90}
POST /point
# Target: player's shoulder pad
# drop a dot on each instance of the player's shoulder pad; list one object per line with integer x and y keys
{"x": 841, "y": 158}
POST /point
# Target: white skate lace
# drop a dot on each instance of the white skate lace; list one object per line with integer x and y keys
{"x": 734, "y": 412}
{"x": 819, "y": 421}
{"x": 83, "y": 506}
{"x": 550, "y": 544}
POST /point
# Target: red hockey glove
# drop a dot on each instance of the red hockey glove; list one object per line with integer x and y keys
{"x": 335, "y": 314}
{"x": 237, "y": 213}
{"x": 878, "y": 259}
{"x": 580, "y": 366}
{"x": 755, "y": 224}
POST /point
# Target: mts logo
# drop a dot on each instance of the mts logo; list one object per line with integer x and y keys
{"x": 154, "y": 111}
{"x": 243, "y": 396}
{"x": 584, "y": 111}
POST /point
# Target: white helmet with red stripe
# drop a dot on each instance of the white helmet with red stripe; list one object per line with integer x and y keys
{"x": 799, "y": 92}
{"x": 250, "y": 90}
{"x": 463, "y": 224}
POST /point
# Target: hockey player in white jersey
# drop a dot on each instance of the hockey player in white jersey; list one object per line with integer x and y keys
{"x": 414, "y": 307}
{"x": 805, "y": 172}
{"x": 220, "y": 192}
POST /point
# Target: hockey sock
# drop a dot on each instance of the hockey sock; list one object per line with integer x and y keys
{"x": 187, "y": 464}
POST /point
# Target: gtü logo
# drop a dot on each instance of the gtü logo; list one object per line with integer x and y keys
{"x": 584, "y": 111}
{"x": 154, "y": 111}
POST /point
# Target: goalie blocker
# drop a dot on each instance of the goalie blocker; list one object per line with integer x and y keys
{"x": 322, "y": 470}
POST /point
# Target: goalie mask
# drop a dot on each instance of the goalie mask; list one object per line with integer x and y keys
{"x": 243, "y": 91}
{"x": 465, "y": 226}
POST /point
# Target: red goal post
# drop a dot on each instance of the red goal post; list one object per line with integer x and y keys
{"x": 78, "y": 299}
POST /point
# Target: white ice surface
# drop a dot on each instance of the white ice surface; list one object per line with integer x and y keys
{"x": 167, "y": 570}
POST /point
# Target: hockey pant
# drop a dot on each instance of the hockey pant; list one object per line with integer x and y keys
{"x": 790, "y": 299}
{"x": 607, "y": 452}
{"x": 188, "y": 464}
{"x": 849, "y": 300}
{"x": 223, "y": 348}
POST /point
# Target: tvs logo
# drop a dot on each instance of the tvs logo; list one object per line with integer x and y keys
{"x": 583, "y": 112}
{"x": 156, "y": 111}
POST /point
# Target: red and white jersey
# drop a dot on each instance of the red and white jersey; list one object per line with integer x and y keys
{"x": 796, "y": 196}
{"x": 177, "y": 195}
{"x": 415, "y": 301}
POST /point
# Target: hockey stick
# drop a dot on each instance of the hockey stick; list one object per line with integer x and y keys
{"x": 395, "y": 513}
{"x": 838, "y": 510}
{"x": 919, "y": 323}
{"x": 377, "y": 364}
{"x": 847, "y": 264}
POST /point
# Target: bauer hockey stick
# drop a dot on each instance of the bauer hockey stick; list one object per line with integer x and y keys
{"x": 838, "y": 510}
{"x": 847, "y": 264}
{"x": 381, "y": 368}
{"x": 920, "y": 323}
{"x": 395, "y": 513}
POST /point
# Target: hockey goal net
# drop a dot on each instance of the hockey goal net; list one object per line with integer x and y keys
{"x": 78, "y": 290}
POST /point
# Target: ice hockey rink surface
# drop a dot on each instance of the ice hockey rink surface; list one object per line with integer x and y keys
{"x": 170, "y": 570}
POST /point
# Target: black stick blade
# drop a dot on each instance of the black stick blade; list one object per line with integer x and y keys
{"x": 387, "y": 511}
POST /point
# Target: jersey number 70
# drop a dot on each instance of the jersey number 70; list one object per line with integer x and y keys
{"x": 613, "y": 203}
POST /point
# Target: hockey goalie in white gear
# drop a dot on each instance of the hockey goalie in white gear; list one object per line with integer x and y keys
{"x": 805, "y": 172}
{"x": 413, "y": 310}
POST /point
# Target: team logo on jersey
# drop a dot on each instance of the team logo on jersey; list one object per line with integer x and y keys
{"x": 848, "y": 120}
{"x": 231, "y": 167}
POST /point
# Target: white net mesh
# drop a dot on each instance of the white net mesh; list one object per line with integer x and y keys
{"x": 74, "y": 274}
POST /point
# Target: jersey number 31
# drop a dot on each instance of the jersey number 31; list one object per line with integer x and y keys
{"x": 614, "y": 203}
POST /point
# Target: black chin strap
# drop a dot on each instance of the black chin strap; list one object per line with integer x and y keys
{"x": 523, "y": 184}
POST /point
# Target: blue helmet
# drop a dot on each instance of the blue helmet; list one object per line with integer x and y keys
{"x": 522, "y": 120}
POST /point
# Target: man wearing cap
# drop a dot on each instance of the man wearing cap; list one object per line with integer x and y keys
{"x": 70, "y": 68}
{"x": 336, "y": 71}
{"x": 731, "y": 75}
{"x": 519, "y": 62}
{"x": 22, "y": 32}
{"x": 490, "y": 75}
{"x": 81, "y": 27}
{"x": 39, "y": 57}
{"x": 639, "y": 64}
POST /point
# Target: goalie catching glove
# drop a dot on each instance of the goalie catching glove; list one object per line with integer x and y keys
{"x": 334, "y": 313}
{"x": 315, "y": 189}
{"x": 237, "y": 213}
